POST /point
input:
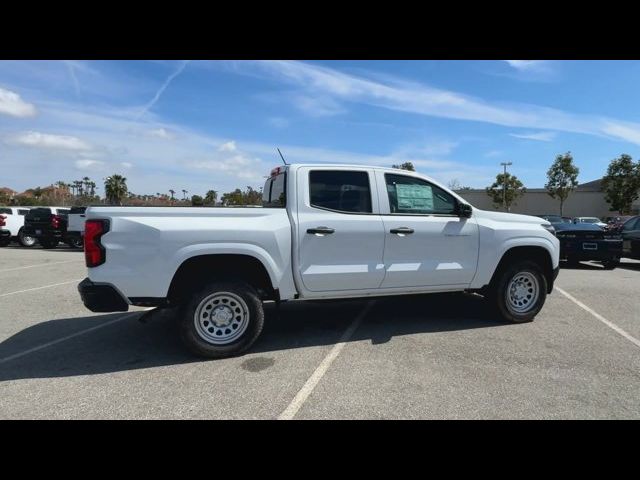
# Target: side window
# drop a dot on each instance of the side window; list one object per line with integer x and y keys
{"x": 6, "y": 211}
{"x": 273, "y": 194}
{"x": 23, "y": 212}
{"x": 340, "y": 190}
{"x": 413, "y": 195}
{"x": 630, "y": 225}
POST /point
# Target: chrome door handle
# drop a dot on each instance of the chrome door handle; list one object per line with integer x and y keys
{"x": 402, "y": 230}
{"x": 320, "y": 231}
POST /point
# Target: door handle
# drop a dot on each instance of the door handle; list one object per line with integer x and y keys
{"x": 402, "y": 230}
{"x": 320, "y": 230}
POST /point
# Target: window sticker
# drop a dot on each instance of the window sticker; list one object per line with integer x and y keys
{"x": 414, "y": 197}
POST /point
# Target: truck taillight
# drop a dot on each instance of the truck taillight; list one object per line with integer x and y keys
{"x": 2, "y": 220}
{"x": 55, "y": 221}
{"x": 94, "y": 252}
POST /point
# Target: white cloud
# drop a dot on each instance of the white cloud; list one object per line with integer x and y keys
{"x": 12, "y": 104}
{"x": 318, "y": 106}
{"x": 228, "y": 147}
{"x": 49, "y": 141}
{"x": 322, "y": 82}
{"x": 86, "y": 164}
{"x": 162, "y": 88}
{"x": 540, "y": 136}
{"x": 527, "y": 65}
{"x": 162, "y": 133}
{"x": 126, "y": 165}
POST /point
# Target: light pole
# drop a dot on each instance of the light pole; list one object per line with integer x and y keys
{"x": 504, "y": 184}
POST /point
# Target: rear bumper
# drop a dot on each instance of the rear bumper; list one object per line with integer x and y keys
{"x": 101, "y": 298}
{"x": 44, "y": 232}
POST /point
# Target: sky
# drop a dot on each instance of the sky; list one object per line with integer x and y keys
{"x": 202, "y": 125}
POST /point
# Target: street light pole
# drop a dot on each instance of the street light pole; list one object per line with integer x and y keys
{"x": 504, "y": 184}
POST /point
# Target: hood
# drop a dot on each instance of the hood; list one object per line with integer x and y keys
{"x": 510, "y": 217}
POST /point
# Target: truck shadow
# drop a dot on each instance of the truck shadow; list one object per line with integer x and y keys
{"x": 128, "y": 344}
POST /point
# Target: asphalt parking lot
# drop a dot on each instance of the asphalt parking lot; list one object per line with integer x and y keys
{"x": 417, "y": 357}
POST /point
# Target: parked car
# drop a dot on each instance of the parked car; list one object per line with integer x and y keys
{"x": 591, "y": 220}
{"x": 553, "y": 219}
{"x": 48, "y": 225}
{"x": 587, "y": 241}
{"x": 11, "y": 227}
{"x": 630, "y": 233}
{"x": 614, "y": 224}
{"x": 75, "y": 227}
{"x": 323, "y": 232}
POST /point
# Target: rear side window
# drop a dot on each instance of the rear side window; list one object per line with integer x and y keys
{"x": 63, "y": 211}
{"x": 410, "y": 195}
{"x": 273, "y": 194}
{"x": 340, "y": 190}
{"x": 6, "y": 211}
{"x": 23, "y": 212}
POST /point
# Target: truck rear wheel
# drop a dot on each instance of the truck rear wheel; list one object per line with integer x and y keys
{"x": 519, "y": 292}
{"x": 223, "y": 319}
{"x": 26, "y": 240}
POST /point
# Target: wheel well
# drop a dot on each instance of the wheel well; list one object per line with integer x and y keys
{"x": 538, "y": 255}
{"x": 196, "y": 271}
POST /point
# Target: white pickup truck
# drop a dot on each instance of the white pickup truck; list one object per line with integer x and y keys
{"x": 323, "y": 232}
{"x": 11, "y": 226}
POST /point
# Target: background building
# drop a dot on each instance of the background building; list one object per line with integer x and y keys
{"x": 587, "y": 200}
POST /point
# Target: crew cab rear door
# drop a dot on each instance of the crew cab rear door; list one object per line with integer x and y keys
{"x": 340, "y": 234}
{"x": 427, "y": 244}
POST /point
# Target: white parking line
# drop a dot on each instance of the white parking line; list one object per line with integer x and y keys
{"x": 315, "y": 378}
{"x": 39, "y": 288}
{"x": 68, "y": 337}
{"x": 608, "y": 323}
{"x": 40, "y": 265}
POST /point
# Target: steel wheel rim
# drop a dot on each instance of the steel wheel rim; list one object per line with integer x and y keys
{"x": 522, "y": 292}
{"x": 27, "y": 240}
{"x": 221, "y": 318}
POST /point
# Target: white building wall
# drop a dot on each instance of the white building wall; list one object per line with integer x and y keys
{"x": 538, "y": 202}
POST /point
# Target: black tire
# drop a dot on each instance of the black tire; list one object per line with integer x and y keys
{"x": 4, "y": 242}
{"x": 501, "y": 286}
{"x": 48, "y": 243}
{"x": 190, "y": 320}
{"x": 611, "y": 263}
{"x": 76, "y": 242}
{"x": 26, "y": 240}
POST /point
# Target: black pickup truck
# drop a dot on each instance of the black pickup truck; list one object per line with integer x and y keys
{"x": 48, "y": 225}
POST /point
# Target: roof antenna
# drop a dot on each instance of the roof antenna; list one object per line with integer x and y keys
{"x": 283, "y": 160}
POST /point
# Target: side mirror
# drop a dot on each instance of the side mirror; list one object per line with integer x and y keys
{"x": 464, "y": 210}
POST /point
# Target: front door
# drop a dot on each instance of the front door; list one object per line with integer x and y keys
{"x": 426, "y": 242}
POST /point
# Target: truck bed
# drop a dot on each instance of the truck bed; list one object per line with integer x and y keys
{"x": 146, "y": 245}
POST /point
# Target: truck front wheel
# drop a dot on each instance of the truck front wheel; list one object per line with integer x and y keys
{"x": 519, "y": 292}
{"x": 223, "y": 319}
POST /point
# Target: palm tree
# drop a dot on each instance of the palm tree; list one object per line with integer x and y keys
{"x": 184, "y": 194}
{"x": 172, "y": 192}
{"x": 115, "y": 188}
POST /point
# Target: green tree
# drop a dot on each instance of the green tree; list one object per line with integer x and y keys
{"x": 506, "y": 189}
{"x": 405, "y": 166}
{"x": 115, "y": 189}
{"x": 621, "y": 184}
{"x": 562, "y": 178}
{"x": 211, "y": 197}
{"x": 197, "y": 201}
{"x": 232, "y": 198}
